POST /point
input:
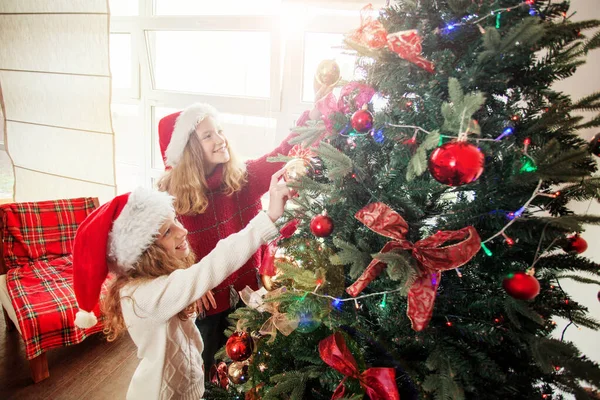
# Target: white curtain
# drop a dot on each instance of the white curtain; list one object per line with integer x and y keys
{"x": 55, "y": 89}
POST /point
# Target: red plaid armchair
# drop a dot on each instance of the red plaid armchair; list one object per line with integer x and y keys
{"x": 36, "y": 239}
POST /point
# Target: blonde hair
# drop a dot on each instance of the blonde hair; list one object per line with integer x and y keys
{"x": 187, "y": 180}
{"x": 154, "y": 262}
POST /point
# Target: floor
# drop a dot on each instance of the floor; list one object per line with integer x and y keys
{"x": 93, "y": 369}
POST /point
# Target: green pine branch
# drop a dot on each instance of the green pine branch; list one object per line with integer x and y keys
{"x": 458, "y": 113}
{"x": 292, "y": 383}
{"x": 525, "y": 34}
{"x": 309, "y": 134}
{"x": 338, "y": 164}
{"x": 587, "y": 103}
{"x": 350, "y": 255}
{"x": 418, "y": 163}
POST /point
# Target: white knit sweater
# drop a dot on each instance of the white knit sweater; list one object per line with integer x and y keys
{"x": 170, "y": 349}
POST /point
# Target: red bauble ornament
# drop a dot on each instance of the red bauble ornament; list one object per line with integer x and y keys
{"x": 595, "y": 145}
{"x": 456, "y": 163}
{"x": 577, "y": 244}
{"x": 362, "y": 121}
{"x": 521, "y": 286}
{"x": 239, "y": 346}
{"x": 321, "y": 225}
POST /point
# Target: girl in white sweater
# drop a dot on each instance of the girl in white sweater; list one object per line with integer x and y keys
{"x": 136, "y": 237}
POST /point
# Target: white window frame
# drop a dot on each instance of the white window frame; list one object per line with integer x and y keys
{"x": 285, "y": 103}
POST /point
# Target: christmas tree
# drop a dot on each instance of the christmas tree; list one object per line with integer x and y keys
{"x": 445, "y": 175}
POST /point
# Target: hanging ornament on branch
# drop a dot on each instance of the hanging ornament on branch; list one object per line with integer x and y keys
{"x": 362, "y": 120}
{"x": 327, "y": 75}
{"x": 239, "y": 346}
{"x": 321, "y": 225}
{"x": 522, "y": 285}
{"x": 268, "y": 272}
{"x": 238, "y": 372}
{"x": 595, "y": 145}
{"x": 576, "y": 244}
{"x": 456, "y": 163}
{"x": 300, "y": 165}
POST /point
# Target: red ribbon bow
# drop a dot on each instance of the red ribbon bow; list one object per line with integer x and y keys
{"x": 218, "y": 375}
{"x": 379, "y": 383}
{"x": 406, "y": 44}
{"x": 429, "y": 253}
{"x": 267, "y": 266}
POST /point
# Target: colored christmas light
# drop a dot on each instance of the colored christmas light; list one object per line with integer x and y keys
{"x": 487, "y": 251}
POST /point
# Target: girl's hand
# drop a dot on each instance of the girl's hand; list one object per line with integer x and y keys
{"x": 206, "y": 302}
{"x": 279, "y": 193}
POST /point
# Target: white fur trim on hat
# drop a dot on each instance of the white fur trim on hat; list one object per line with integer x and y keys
{"x": 186, "y": 123}
{"x": 84, "y": 319}
{"x": 137, "y": 225}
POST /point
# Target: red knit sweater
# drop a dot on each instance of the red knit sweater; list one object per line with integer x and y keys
{"x": 230, "y": 214}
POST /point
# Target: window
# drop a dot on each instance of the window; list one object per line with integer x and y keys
{"x": 120, "y": 60}
{"x": 222, "y": 7}
{"x": 253, "y": 60}
{"x": 124, "y": 7}
{"x": 212, "y": 62}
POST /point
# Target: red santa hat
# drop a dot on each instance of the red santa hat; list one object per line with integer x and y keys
{"x": 174, "y": 130}
{"x": 120, "y": 230}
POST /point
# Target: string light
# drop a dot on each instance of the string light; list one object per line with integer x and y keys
{"x": 337, "y": 303}
{"x": 506, "y": 132}
{"x": 487, "y": 251}
{"x": 528, "y": 162}
{"x": 383, "y": 301}
{"x": 419, "y": 129}
{"x": 470, "y": 19}
{"x": 378, "y": 135}
{"x": 509, "y": 241}
{"x": 551, "y": 195}
{"x": 514, "y": 216}
{"x": 337, "y": 300}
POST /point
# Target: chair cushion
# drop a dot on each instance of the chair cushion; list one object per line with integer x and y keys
{"x": 41, "y": 231}
{"x": 44, "y": 301}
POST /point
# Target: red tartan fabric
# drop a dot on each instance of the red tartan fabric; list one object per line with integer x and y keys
{"x": 38, "y": 238}
{"x": 43, "y": 298}
{"x": 41, "y": 230}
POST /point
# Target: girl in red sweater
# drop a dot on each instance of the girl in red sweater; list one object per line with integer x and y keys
{"x": 215, "y": 195}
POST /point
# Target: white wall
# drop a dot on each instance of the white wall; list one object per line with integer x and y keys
{"x": 585, "y": 82}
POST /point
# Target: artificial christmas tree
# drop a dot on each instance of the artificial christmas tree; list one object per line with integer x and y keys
{"x": 476, "y": 75}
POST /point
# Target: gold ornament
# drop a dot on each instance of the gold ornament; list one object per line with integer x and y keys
{"x": 328, "y": 73}
{"x": 295, "y": 169}
{"x": 238, "y": 372}
{"x": 276, "y": 281}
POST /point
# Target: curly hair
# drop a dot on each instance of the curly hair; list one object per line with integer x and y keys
{"x": 154, "y": 262}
